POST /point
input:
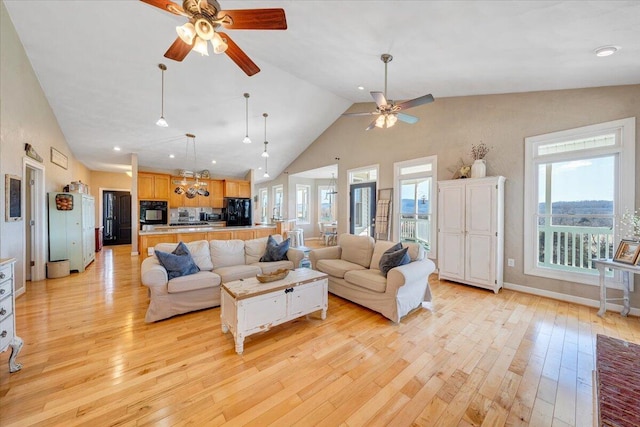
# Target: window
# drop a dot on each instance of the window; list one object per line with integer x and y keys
{"x": 263, "y": 195}
{"x": 576, "y": 183}
{"x": 326, "y": 203}
{"x": 416, "y": 202}
{"x": 302, "y": 203}
{"x": 278, "y": 200}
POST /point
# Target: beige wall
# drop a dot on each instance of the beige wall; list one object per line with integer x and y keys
{"x": 26, "y": 117}
{"x": 448, "y": 127}
{"x": 107, "y": 181}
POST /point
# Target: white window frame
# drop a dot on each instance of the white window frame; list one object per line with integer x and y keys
{"x": 278, "y": 189}
{"x": 397, "y": 167}
{"x": 306, "y": 189}
{"x": 332, "y": 200}
{"x": 624, "y": 182}
{"x": 263, "y": 198}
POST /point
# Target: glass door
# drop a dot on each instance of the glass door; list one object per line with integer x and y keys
{"x": 362, "y": 210}
{"x": 415, "y": 211}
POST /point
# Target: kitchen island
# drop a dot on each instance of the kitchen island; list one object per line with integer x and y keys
{"x": 164, "y": 234}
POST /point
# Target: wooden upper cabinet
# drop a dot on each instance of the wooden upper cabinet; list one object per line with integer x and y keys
{"x": 153, "y": 186}
{"x": 234, "y": 188}
{"x": 216, "y": 193}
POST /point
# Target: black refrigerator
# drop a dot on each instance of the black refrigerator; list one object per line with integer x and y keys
{"x": 237, "y": 212}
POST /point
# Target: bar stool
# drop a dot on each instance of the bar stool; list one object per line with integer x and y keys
{"x": 300, "y": 232}
{"x": 294, "y": 236}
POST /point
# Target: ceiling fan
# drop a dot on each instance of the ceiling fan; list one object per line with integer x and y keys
{"x": 206, "y": 17}
{"x": 387, "y": 111}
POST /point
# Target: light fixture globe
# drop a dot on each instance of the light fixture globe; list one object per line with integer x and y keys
{"x": 246, "y": 139}
{"x": 161, "y": 121}
{"x": 186, "y": 33}
{"x": 200, "y": 46}
{"x": 219, "y": 44}
{"x": 204, "y": 29}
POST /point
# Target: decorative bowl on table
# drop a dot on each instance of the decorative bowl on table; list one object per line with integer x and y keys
{"x": 273, "y": 276}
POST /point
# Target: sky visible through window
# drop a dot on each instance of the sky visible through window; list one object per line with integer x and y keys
{"x": 577, "y": 180}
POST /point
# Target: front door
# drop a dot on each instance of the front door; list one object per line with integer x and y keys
{"x": 362, "y": 209}
{"x": 116, "y": 217}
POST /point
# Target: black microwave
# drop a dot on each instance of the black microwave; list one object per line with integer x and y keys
{"x": 153, "y": 212}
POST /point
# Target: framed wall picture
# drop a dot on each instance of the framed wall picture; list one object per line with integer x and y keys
{"x": 627, "y": 252}
{"x": 12, "y": 198}
{"x": 59, "y": 159}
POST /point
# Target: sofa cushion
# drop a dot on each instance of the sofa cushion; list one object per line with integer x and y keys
{"x": 254, "y": 249}
{"x": 235, "y": 272}
{"x": 177, "y": 263}
{"x": 200, "y": 280}
{"x": 372, "y": 280}
{"x": 275, "y": 251}
{"x": 199, "y": 250}
{"x": 356, "y": 249}
{"x": 393, "y": 258}
{"x": 416, "y": 251}
{"x": 337, "y": 267}
{"x": 381, "y": 247}
{"x": 225, "y": 253}
{"x": 270, "y": 267}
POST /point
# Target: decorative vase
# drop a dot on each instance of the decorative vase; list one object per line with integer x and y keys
{"x": 479, "y": 169}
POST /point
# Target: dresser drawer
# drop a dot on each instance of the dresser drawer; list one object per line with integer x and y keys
{"x": 6, "y": 308}
{"x": 6, "y": 332}
{"x": 5, "y": 290}
{"x": 5, "y": 273}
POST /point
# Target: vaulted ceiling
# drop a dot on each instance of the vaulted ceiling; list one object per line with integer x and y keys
{"x": 97, "y": 62}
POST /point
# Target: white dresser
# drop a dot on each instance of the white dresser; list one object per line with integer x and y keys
{"x": 8, "y": 337}
{"x": 471, "y": 231}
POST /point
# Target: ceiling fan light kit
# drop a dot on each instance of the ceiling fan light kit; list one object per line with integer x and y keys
{"x": 388, "y": 112}
{"x": 206, "y": 18}
{"x": 161, "y": 121}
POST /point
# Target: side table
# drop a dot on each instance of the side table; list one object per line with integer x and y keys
{"x": 627, "y": 270}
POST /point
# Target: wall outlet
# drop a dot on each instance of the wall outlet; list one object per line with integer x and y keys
{"x": 150, "y": 251}
{"x": 511, "y": 262}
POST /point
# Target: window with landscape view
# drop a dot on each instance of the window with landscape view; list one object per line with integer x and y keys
{"x": 302, "y": 203}
{"x": 577, "y": 185}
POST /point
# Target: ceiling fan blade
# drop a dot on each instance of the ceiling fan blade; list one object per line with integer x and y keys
{"x": 255, "y": 19}
{"x": 415, "y": 102}
{"x": 359, "y": 114}
{"x": 178, "y": 50}
{"x": 167, "y": 5}
{"x": 238, "y": 56}
{"x": 407, "y": 118}
{"x": 372, "y": 125}
{"x": 381, "y": 101}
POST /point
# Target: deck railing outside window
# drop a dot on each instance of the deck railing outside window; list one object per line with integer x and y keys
{"x": 416, "y": 228}
{"x": 569, "y": 247}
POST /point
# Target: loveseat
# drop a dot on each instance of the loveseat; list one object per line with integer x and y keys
{"x": 218, "y": 261}
{"x": 354, "y": 274}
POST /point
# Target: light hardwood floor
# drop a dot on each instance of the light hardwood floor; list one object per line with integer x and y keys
{"x": 471, "y": 358}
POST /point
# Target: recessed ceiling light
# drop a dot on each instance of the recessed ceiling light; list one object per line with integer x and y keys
{"x": 360, "y": 87}
{"x": 171, "y": 156}
{"x": 116, "y": 148}
{"x": 214, "y": 162}
{"x": 606, "y": 50}
{"x": 259, "y": 168}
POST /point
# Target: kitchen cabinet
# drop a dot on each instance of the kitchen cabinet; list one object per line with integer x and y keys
{"x": 72, "y": 229}
{"x": 235, "y": 188}
{"x": 216, "y": 193}
{"x": 153, "y": 186}
{"x": 471, "y": 231}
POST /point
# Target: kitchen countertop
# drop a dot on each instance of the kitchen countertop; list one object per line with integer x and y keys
{"x": 166, "y": 229}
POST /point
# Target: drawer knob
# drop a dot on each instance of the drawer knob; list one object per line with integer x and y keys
{"x": 2, "y": 276}
{"x": 3, "y": 334}
{"x": 3, "y": 312}
{"x": 2, "y": 291}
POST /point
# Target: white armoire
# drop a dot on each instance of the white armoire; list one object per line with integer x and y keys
{"x": 72, "y": 229}
{"x": 471, "y": 231}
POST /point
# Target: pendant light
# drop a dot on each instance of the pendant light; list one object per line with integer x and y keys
{"x": 161, "y": 121}
{"x": 264, "y": 153}
{"x": 246, "y": 139}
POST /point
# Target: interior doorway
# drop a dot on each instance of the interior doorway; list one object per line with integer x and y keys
{"x": 34, "y": 231}
{"x": 116, "y": 217}
{"x": 362, "y": 209}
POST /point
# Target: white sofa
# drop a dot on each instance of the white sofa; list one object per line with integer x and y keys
{"x": 219, "y": 261}
{"x": 353, "y": 272}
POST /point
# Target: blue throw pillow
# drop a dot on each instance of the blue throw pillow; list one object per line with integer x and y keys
{"x": 393, "y": 257}
{"x": 177, "y": 263}
{"x": 275, "y": 251}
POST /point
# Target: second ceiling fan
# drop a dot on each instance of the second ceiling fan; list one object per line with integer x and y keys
{"x": 206, "y": 17}
{"x": 388, "y": 112}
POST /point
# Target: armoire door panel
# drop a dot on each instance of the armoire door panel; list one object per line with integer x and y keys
{"x": 480, "y": 213}
{"x": 451, "y": 263}
{"x": 451, "y": 209}
{"x": 479, "y": 259}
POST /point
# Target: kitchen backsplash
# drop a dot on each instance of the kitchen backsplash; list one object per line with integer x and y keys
{"x": 190, "y": 214}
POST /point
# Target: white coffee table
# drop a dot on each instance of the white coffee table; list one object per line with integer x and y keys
{"x": 248, "y": 306}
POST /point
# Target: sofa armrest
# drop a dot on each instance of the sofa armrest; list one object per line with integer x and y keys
{"x": 331, "y": 252}
{"x": 295, "y": 255}
{"x": 414, "y": 272}
{"x": 153, "y": 274}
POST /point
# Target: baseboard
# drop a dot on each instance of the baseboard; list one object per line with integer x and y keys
{"x": 567, "y": 298}
{"x": 134, "y": 254}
